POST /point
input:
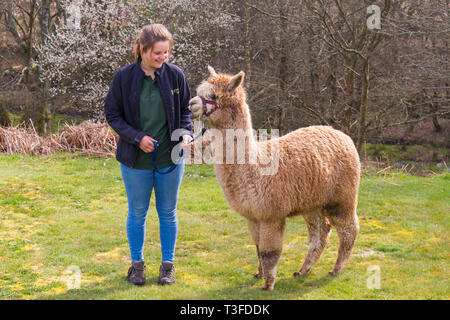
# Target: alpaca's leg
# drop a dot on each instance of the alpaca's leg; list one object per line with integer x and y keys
{"x": 318, "y": 232}
{"x": 253, "y": 226}
{"x": 270, "y": 245}
{"x": 345, "y": 220}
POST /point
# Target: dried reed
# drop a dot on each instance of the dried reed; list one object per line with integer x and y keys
{"x": 87, "y": 138}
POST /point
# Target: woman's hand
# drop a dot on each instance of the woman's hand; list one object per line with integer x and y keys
{"x": 146, "y": 144}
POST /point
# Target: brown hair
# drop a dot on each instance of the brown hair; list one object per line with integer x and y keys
{"x": 149, "y": 35}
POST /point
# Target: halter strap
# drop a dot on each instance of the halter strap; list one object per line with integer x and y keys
{"x": 154, "y": 155}
{"x": 205, "y": 109}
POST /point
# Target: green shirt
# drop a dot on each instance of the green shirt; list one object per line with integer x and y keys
{"x": 154, "y": 124}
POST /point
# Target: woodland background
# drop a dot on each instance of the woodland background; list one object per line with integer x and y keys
{"x": 306, "y": 62}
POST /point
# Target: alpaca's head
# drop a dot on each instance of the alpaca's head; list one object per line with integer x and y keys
{"x": 220, "y": 99}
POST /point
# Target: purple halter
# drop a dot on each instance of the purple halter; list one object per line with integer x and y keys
{"x": 205, "y": 109}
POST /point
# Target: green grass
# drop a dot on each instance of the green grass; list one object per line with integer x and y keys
{"x": 65, "y": 210}
{"x": 406, "y": 153}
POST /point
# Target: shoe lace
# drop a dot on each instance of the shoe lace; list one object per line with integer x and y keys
{"x": 167, "y": 273}
{"x": 133, "y": 271}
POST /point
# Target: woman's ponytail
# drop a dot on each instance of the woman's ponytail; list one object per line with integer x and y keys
{"x": 137, "y": 51}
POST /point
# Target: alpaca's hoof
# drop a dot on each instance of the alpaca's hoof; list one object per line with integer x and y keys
{"x": 300, "y": 274}
{"x": 258, "y": 275}
{"x": 268, "y": 285}
{"x": 333, "y": 273}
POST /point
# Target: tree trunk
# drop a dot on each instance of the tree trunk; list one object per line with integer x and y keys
{"x": 348, "y": 94}
{"x": 44, "y": 19}
{"x": 434, "y": 106}
{"x": 282, "y": 69}
{"x": 332, "y": 85}
{"x": 5, "y": 121}
{"x": 313, "y": 76}
{"x": 365, "y": 77}
{"x": 30, "y": 32}
{"x": 247, "y": 45}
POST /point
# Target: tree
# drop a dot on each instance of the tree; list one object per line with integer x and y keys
{"x": 205, "y": 32}
{"x": 306, "y": 62}
{"x": 91, "y": 41}
{"x": 349, "y": 35}
{"x": 80, "y": 60}
{"x": 419, "y": 66}
{"x": 271, "y": 53}
{"x": 20, "y": 18}
{"x": 4, "y": 117}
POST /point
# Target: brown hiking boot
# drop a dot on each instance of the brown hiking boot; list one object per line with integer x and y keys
{"x": 166, "y": 273}
{"x": 136, "y": 273}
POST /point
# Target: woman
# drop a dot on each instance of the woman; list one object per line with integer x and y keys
{"x": 147, "y": 101}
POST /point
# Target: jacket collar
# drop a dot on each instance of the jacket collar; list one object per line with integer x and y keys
{"x": 158, "y": 72}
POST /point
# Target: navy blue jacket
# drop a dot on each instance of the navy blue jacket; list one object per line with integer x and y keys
{"x": 122, "y": 106}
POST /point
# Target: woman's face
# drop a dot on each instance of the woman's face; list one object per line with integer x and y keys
{"x": 154, "y": 58}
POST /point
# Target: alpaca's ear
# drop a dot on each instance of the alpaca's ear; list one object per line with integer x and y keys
{"x": 235, "y": 82}
{"x": 212, "y": 72}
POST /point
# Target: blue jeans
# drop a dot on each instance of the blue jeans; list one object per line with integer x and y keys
{"x": 139, "y": 185}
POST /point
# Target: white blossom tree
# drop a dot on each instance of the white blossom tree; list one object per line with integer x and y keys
{"x": 204, "y": 33}
{"x": 88, "y": 46}
{"x": 96, "y": 37}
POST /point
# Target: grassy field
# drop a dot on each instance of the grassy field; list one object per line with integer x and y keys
{"x": 65, "y": 211}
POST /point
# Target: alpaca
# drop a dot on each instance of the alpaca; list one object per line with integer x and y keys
{"x": 317, "y": 178}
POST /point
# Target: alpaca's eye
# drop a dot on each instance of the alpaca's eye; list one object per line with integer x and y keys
{"x": 213, "y": 97}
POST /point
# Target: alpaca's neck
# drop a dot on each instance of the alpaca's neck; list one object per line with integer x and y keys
{"x": 241, "y": 159}
{"x": 243, "y": 119}
{"x": 239, "y": 163}
{"x": 237, "y": 141}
